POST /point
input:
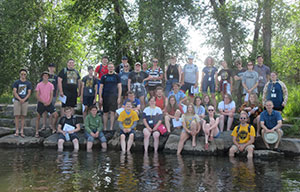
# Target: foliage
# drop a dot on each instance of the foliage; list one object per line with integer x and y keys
{"x": 292, "y": 109}
{"x": 293, "y": 131}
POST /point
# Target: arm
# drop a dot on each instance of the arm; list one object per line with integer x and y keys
{"x": 81, "y": 91}
{"x": 180, "y": 73}
{"x": 285, "y": 93}
{"x": 215, "y": 124}
{"x": 278, "y": 126}
{"x": 157, "y": 124}
{"x": 182, "y": 78}
{"x": 231, "y": 84}
{"x": 264, "y": 97}
{"x": 197, "y": 79}
{"x": 129, "y": 84}
{"x": 133, "y": 125}
{"x": 121, "y": 125}
{"x": 262, "y": 124}
{"x": 27, "y": 96}
{"x": 59, "y": 84}
{"x": 100, "y": 93}
{"x": 147, "y": 125}
{"x": 182, "y": 100}
{"x": 79, "y": 87}
{"x": 119, "y": 92}
{"x": 87, "y": 126}
{"x": 77, "y": 128}
{"x": 256, "y": 84}
{"x": 165, "y": 73}
{"x": 201, "y": 81}
{"x": 216, "y": 80}
{"x": 250, "y": 142}
{"x": 185, "y": 128}
{"x": 59, "y": 130}
{"x": 96, "y": 90}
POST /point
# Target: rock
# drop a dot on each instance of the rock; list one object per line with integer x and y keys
{"x": 262, "y": 154}
{"x": 6, "y": 131}
{"x": 289, "y": 146}
{"x": 13, "y": 141}
{"x": 6, "y": 122}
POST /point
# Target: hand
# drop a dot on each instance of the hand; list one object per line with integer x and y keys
{"x": 126, "y": 130}
{"x": 97, "y": 134}
{"x": 236, "y": 78}
{"x": 100, "y": 100}
{"x": 61, "y": 94}
{"x": 71, "y": 132}
{"x": 64, "y": 133}
{"x": 78, "y": 95}
{"x": 81, "y": 99}
{"x": 241, "y": 147}
{"x": 150, "y": 130}
{"x": 94, "y": 101}
{"x": 21, "y": 101}
{"x": 119, "y": 100}
{"x": 249, "y": 91}
{"x": 283, "y": 105}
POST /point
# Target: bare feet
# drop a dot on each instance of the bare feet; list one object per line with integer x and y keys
{"x": 206, "y": 146}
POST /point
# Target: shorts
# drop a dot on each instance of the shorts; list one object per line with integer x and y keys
{"x": 127, "y": 134}
{"x": 139, "y": 90}
{"x": 208, "y": 84}
{"x": 41, "y": 108}
{"x": 169, "y": 85}
{"x": 88, "y": 100}
{"x": 152, "y": 88}
{"x": 72, "y": 136}
{"x": 124, "y": 90}
{"x": 101, "y": 137}
{"x": 110, "y": 104}
{"x": 280, "y": 108}
{"x": 71, "y": 100}
{"x": 236, "y": 148}
{"x": 20, "y": 109}
{"x": 218, "y": 135}
{"x": 187, "y": 86}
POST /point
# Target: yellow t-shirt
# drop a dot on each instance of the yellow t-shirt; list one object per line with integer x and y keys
{"x": 243, "y": 136}
{"x": 128, "y": 119}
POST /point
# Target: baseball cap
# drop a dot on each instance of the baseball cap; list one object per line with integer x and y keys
{"x": 51, "y": 65}
{"x": 45, "y": 72}
{"x": 124, "y": 58}
{"x": 137, "y": 63}
{"x": 191, "y": 57}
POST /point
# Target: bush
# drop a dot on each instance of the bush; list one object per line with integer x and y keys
{"x": 292, "y": 109}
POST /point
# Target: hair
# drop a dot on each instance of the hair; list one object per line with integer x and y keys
{"x": 206, "y": 61}
{"x": 176, "y": 83}
{"x": 173, "y": 57}
{"x": 93, "y": 107}
{"x": 269, "y": 101}
{"x": 187, "y": 109}
{"x": 238, "y": 61}
{"x": 169, "y": 106}
{"x": 274, "y": 72}
{"x": 197, "y": 97}
{"x": 68, "y": 108}
{"x": 210, "y": 106}
{"x": 90, "y": 67}
{"x": 244, "y": 113}
{"x": 259, "y": 56}
{"x": 229, "y": 97}
{"x": 128, "y": 101}
{"x": 256, "y": 101}
{"x": 23, "y": 70}
{"x": 104, "y": 57}
{"x": 130, "y": 93}
{"x": 159, "y": 88}
{"x": 70, "y": 60}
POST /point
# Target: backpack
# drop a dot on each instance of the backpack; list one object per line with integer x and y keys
{"x": 73, "y": 120}
{"x": 238, "y": 128}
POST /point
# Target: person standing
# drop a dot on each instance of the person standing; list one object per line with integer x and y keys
{"x": 88, "y": 91}
{"x": 276, "y": 91}
{"x": 225, "y": 83}
{"x": 110, "y": 94}
{"x": 156, "y": 76}
{"x": 263, "y": 74}
{"x": 190, "y": 76}
{"x": 124, "y": 75}
{"x": 172, "y": 74}
{"x": 44, "y": 95}
{"x": 209, "y": 79}
{"x": 120, "y": 67}
{"x": 21, "y": 90}
{"x": 69, "y": 85}
{"x": 250, "y": 81}
{"x": 237, "y": 85}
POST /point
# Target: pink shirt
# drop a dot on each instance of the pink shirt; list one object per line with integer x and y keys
{"x": 44, "y": 91}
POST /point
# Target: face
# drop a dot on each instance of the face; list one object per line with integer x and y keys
{"x": 173, "y": 60}
{"x": 250, "y": 66}
{"x": 273, "y": 76}
{"x": 190, "y": 60}
{"x": 45, "y": 77}
{"x": 137, "y": 67}
{"x": 71, "y": 64}
{"x": 91, "y": 72}
{"x": 124, "y": 61}
{"x": 94, "y": 111}
{"x": 131, "y": 97}
{"x": 104, "y": 61}
{"x": 51, "y": 69}
{"x": 252, "y": 98}
{"x": 243, "y": 118}
{"x": 260, "y": 60}
{"x": 23, "y": 74}
{"x": 224, "y": 64}
{"x": 210, "y": 110}
{"x": 128, "y": 106}
{"x": 176, "y": 88}
{"x": 159, "y": 93}
{"x": 206, "y": 99}
{"x": 172, "y": 101}
{"x": 152, "y": 101}
{"x": 226, "y": 99}
{"x": 111, "y": 67}
{"x": 269, "y": 106}
{"x": 190, "y": 109}
{"x": 209, "y": 61}
{"x": 68, "y": 112}
{"x": 198, "y": 101}
{"x": 238, "y": 64}
{"x": 145, "y": 66}
{"x": 155, "y": 62}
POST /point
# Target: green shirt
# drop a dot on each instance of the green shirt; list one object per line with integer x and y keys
{"x": 93, "y": 123}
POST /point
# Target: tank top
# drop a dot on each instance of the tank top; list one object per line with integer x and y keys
{"x": 172, "y": 72}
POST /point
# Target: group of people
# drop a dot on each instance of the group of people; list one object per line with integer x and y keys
{"x": 172, "y": 96}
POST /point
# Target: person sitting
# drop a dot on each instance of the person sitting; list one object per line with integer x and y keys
{"x": 160, "y": 99}
{"x": 179, "y": 95}
{"x": 191, "y": 127}
{"x": 210, "y": 126}
{"x": 173, "y": 111}
{"x": 127, "y": 123}
{"x": 226, "y": 109}
{"x": 253, "y": 108}
{"x": 135, "y": 102}
{"x": 243, "y": 137}
{"x": 199, "y": 109}
{"x": 67, "y": 128}
{"x": 271, "y": 121}
{"x": 93, "y": 129}
{"x": 206, "y": 103}
{"x": 152, "y": 118}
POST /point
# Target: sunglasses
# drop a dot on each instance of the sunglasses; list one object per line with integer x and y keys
{"x": 155, "y": 61}
{"x": 243, "y": 118}
{"x": 210, "y": 110}
{"x": 126, "y": 66}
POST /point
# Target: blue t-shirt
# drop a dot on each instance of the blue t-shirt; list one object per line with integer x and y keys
{"x": 180, "y": 95}
{"x": 200, "y": 110}
{"x": 22, "y": 88}
{"x": 124, "y": 78}
{"x": 135, "y": 103}
{"x": 209, "y": 74}
{"x": 110, "y": 84}
{"x": 152, "y": 116}
{"x": 270, "y": 120}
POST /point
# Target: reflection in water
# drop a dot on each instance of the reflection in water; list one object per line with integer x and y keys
{"x": 47, "y": 170}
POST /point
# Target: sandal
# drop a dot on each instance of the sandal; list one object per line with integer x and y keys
{"x": 16, "y": 134}
{"x": 37, "y": 135}
{"x": 53, "y": 131}
{"x": 22, "y": 135}
{"x": 43, "y": 128}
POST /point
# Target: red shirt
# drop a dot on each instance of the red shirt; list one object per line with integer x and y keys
{"x": 104, "y": 70}
{"x": 160, "y": 102}
{"x": 173, "y": 111}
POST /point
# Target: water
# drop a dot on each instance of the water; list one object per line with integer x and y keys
{"x": 48, "y": 170}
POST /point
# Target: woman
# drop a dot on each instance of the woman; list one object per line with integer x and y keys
{"x": 210, "y": 126}
{"x": 172, "y": 74}
{"x": 254, "y": 108}
{"x": 191, "y": 127}
{"x": 124, "y": 74}
{"x": 206, "y": 102}
{"x": 226, "y": 109}
{"x": 152, "y": 118}
{"x": 156, "y": 76}
{"x": 173, "y": 111}
{"x": 199, "y": 109}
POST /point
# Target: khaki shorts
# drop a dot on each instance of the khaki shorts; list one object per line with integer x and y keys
{"x": 237, "y": 149}
{"x": 20, "y": 109}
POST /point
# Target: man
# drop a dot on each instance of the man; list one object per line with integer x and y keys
{"x": 135, "y": 102}
{"x": 190, "y": 75}
{"x": 238, "y": 87}
{"x": 179, "y": 95}
{"x": 160, "y": 99}
{"x": 243, "y": 137}
{"x": 225, "y": 84}
{"x": 172, "y": 74}
{"x": 110, "y": 94}
{"x": 127, "y": 123}
{"x": 93, "y": 129}
{"x": 276, "y": 91}
{"x": 271, "y": 121}
{"x": 102, "y": 69}
{"x": 21, "y": 91}
{"x": 68, "y": 127}
{"x": 69, "y": 85}
{"x": 88, "y": 90}
{"x": 120, "y": 67}
{"x": 250, "y": 81}
{"x": 136, "y": 81}
{"x": 52, "y": 79}
{"x": 263, "y": 74}
{"x": 44, "y": 95}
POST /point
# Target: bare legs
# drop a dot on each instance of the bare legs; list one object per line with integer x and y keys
{"x": 60, "y": 144}
{"x": 129, "y": 142}
{"x": 229, "y": 122}
{"x": 147, "y": 135}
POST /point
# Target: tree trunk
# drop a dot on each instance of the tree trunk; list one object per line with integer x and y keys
{"x": 257, "y": 26}
{"x": 267, "y": 32}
